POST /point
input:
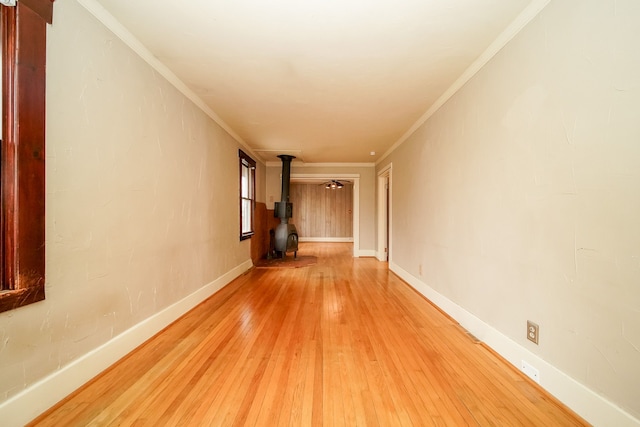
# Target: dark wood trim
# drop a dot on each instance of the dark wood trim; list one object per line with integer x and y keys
{"x": 264, "y": 220}
{"x": 10, "y": 300}
{"x": 44, "y": 8}
{"x": 8, "y": 155}
{"x": 23, "y": 153}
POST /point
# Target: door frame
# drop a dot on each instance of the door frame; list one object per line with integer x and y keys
{"x": 384, "y": 240}
{"x": 355, "y": 178}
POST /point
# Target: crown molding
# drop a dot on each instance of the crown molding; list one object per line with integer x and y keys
{"x": 112, "y": 24}
{"x": 530, "y": 12}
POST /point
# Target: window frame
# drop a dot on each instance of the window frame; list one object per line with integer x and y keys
{"x": 249, "y": 165}
{"x": 22, "y": 187}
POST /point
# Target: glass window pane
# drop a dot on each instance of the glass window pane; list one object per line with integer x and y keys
{"x": 245, "y": 181}
{"x": 246, "y": 215}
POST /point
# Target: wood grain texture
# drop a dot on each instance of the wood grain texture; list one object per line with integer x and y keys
{"x": 341, "y": 343}
{"x": 260, "y": 238}
{"x": 22, "y": 152}
{"x": 318, "y": 212}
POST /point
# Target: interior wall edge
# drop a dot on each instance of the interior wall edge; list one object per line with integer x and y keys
{"x": 594, "y": 408}
{"x": 33, "y": 401}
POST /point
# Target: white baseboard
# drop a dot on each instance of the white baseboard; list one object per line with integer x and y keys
{"x": 367, "y": 253}
{"x": 33, "y": 401}
{"x": 357, "y": 252}
{"x": 594, "y": 408}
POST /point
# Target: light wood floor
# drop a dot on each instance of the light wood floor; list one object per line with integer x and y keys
{"x": 343, "y": 342}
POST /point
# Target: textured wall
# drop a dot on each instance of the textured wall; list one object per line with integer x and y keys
{"x": 520, "y": 198}
{"x": 141, "y": 209}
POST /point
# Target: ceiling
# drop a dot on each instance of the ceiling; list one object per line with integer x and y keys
{"x": 329, "y": 81}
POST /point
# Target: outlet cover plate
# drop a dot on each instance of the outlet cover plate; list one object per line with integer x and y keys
{"x": 533, "y": 332}
{"x": 530, "y": 371}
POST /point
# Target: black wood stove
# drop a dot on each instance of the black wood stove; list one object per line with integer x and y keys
{"x": 286, "y": 235}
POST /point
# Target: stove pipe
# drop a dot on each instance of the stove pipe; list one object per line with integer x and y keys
{"x": 286, "y": 176}
{"x": 284, "y": 209}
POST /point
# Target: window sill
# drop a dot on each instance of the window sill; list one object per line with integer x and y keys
{"x": 13, "y": 299}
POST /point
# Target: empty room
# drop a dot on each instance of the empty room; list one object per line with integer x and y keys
{"x": 311, "y": 213}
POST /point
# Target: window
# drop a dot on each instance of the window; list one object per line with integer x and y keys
{"x": 22, "y": 190}
{"x": 247, "y": 194}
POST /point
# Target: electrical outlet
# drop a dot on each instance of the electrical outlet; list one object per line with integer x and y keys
{"x": 530, "y": 371}
{"x": 532, "y": 332}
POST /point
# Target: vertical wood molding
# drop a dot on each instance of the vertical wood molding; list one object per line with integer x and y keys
{"x": 44, "y": 8}
{"x": 23, "y": 155}
{"x": 260, "y": 238}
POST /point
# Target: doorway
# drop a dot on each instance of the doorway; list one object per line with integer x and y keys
{"x": 383, "y": 250}
{"x": 355, "y": 179}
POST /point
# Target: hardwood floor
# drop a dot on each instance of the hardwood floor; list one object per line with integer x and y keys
{"x": 343, "y": 342}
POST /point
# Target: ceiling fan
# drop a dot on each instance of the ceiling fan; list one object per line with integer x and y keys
{"x": 333, "y": 184}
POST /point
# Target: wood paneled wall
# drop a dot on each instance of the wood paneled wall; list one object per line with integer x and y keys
{"x": 318, "y": 212}
{"x": 260, "y": 240}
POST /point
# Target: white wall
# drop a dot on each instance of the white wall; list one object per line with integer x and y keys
{"x": 141, "y": 211}
{"x": 520, "y": 198}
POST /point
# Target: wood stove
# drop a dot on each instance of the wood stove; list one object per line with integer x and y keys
{"x": 286, "y": 235}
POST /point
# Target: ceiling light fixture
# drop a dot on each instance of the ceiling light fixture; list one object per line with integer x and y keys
{"x": 333, "y": 184}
